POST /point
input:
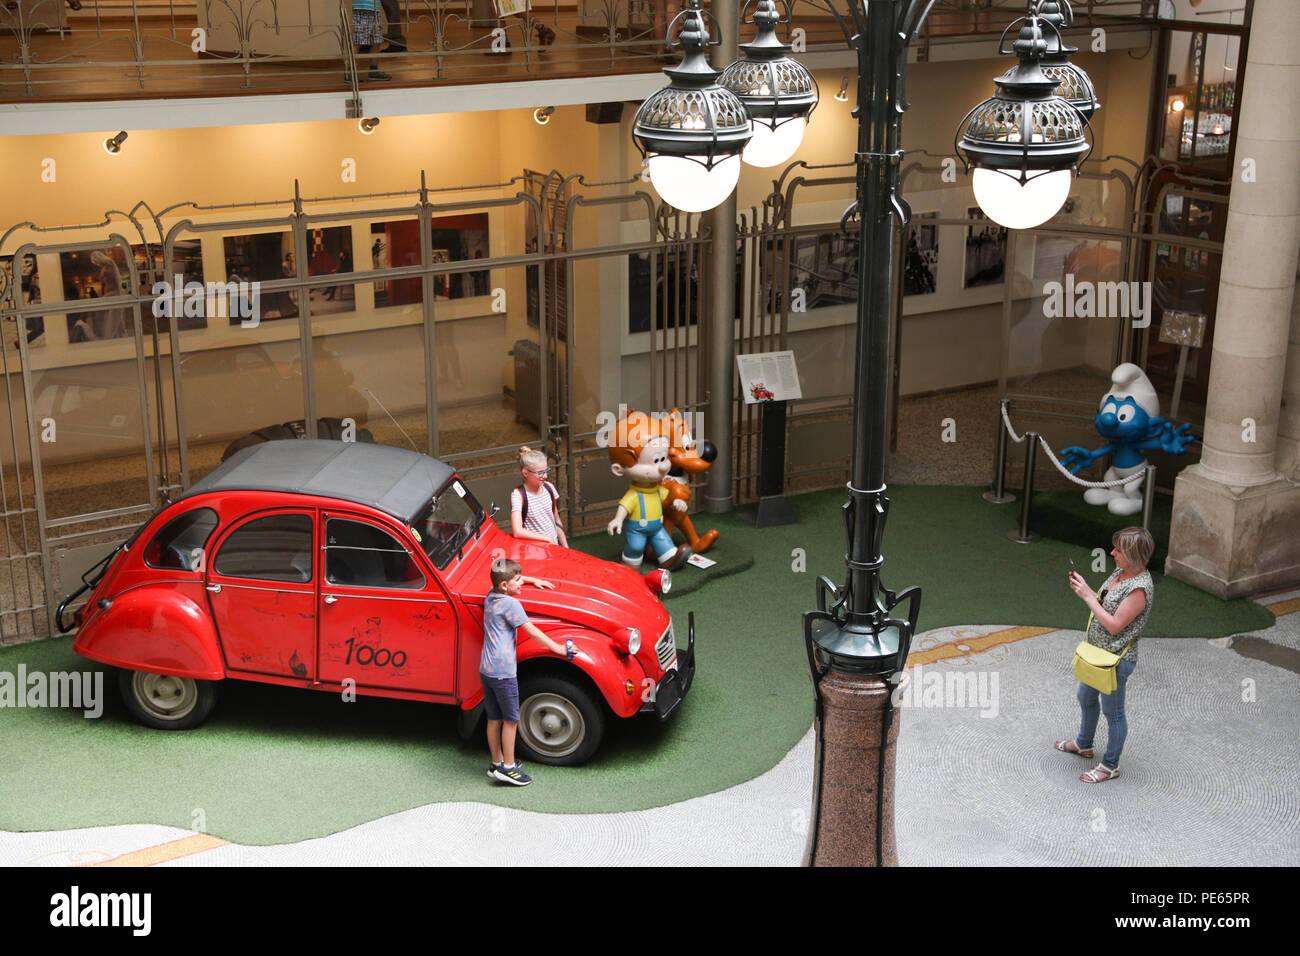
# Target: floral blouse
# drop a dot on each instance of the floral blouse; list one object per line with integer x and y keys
{"x": 1114, "y": 595}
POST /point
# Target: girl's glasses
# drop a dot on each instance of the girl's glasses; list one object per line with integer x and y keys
{"x": 540, "y": 474}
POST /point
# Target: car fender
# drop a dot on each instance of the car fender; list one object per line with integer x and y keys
{"x": 607, "y": 669}
{"x": 162, "y": 628}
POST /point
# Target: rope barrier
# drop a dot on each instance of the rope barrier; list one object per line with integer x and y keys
{"x": 1006, "y": 420}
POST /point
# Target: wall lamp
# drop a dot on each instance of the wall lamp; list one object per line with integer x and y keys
{"x": 543, "y": 114}
{"x": 367, "y": 124}
{"x": 113, "y": 145}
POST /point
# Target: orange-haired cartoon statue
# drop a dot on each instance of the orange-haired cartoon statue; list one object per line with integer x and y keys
{"x": 638, "y": 451}
{"x": 688, "y": 458}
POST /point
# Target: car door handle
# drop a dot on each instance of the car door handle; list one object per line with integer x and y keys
{"x": 214, "y": 588}
{"x": 330, "y": 599}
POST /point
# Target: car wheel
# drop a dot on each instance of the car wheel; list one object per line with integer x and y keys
{"x": 560, "y": 723}
{"x": 165, "y": 702}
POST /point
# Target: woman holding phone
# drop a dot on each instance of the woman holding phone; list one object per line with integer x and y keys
{"x": 1119, "y": 615}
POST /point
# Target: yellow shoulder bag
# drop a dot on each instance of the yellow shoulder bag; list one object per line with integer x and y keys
{"x": 1096, "y": 667}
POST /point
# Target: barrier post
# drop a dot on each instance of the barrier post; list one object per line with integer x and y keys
{"x": 1148, "y": 495}
{"x": 1023, "y": 535}
{"x": 998, "y": 495}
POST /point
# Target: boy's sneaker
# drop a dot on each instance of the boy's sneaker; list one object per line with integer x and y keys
{"x": 492, "y": 770}
{"x": 377, "y": 74}
{"x": 513, "y": 775}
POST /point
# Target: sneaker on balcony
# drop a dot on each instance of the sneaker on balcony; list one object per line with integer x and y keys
{"x": 377, "y": 74}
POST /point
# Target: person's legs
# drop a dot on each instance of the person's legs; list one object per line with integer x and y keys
{"x": 492, "y": 710}
{"x": 509, "y": 729}
{"x": 1089, "y": 711}
{"x": 494, "y": 740}
{"x": 1112, "y": 705}
{"x": 393, "y": 28}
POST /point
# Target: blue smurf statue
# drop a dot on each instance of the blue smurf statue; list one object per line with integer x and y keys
{"x": 1130, "y": 420}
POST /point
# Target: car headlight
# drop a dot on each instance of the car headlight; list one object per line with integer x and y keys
{"x": 660, "y": 580}
{"x": 628, "y": 640}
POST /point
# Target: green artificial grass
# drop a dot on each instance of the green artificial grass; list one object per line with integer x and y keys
{"x": 1065, "y": 516}
{"x": 733, "y": 556}
{"x": 277, "y": 765}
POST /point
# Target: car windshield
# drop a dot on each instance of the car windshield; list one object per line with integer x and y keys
{"x": 447, "y": 522}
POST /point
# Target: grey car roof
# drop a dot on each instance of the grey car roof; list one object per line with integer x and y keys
{"x": 394, "y": 480}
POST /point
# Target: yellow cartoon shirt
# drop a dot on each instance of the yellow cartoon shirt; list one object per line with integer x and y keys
{"x": 653, "y": 498}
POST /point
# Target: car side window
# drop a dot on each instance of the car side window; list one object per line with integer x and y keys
{"x": 179, "y": 545}
{"x": 273, "y": 548}
{"x": 361, "y": 555}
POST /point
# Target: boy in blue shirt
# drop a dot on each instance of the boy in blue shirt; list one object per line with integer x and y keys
{"x": 498, "y": 668}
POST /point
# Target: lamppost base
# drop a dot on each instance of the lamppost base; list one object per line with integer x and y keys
{"x": 853, "y": 802}
{"x": 1029, "y": 537}
{"x": 994, "y": 498}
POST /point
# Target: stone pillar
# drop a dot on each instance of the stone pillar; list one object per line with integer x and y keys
{"x": 1235, "y": 517}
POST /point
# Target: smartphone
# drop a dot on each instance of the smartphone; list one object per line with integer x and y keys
{"x": 1073, "y": 570}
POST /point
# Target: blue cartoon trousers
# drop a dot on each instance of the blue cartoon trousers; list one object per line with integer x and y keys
{"x": 637, "y": 533}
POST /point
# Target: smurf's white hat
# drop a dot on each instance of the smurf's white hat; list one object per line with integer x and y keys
{"x": 1129, "y": 381}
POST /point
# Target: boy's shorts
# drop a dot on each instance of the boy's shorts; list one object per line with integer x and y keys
{"x": 501, "y": 698}
{"x": 365, "y": 28}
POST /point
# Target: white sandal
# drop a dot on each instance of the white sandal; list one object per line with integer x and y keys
{"x": 1063, "y": 746}
{"x": 1099, "y": 773}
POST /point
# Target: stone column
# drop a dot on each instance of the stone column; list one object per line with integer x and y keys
{"x": 1235, "y": 517}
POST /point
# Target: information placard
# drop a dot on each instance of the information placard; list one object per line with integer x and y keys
{"x": 768, "y": 377}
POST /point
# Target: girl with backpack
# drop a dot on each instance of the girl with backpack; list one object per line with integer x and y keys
{"x": 534, "y": 505}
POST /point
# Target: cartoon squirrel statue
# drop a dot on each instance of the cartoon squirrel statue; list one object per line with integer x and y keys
{"x": 688, "y": 458}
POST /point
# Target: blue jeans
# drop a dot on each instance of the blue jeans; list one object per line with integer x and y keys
{"x": 1112, "y": 705}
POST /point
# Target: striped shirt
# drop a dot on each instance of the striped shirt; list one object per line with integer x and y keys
{"x": 541, "y": 510}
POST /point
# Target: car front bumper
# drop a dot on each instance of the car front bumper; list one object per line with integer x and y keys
{"x": 676, "y": 684}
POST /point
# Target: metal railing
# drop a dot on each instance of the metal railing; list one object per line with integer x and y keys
{"x": 169, "y": 47}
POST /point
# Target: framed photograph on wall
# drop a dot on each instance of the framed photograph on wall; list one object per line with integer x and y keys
{"x": 264, "y": 257}
{"x": 921, "y": 255}
{"x": 986, "y": 250}
{"x": 331, "y": 254}
{"x": 96, "y": 274}
{"x": 452, "y": 238}
{"x": 187, "y": 262}
{"x": 826, "y": 268}
{"x": 25, "y": 289}
{"x": 460, "y": 239}
{"x": 393, "y": 245}
{"x": 673, "y": 281}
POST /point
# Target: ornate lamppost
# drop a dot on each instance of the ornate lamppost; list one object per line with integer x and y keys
{"x": 1025, "y": 144}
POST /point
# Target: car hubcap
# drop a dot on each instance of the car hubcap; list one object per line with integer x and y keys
{"x": 552, "y": 725}
{"x": 164, "y": 696}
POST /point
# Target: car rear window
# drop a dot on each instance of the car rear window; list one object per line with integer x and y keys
{"x": 179, "y": 544}
{"x": 273, "y": 548}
